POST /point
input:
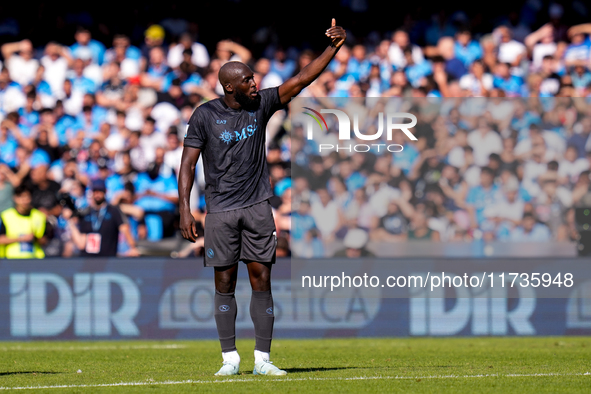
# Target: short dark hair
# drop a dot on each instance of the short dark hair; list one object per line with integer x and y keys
{"x": 438, "y": 59}
{"x": 316, "y": 159}
{"x": 529, "y": 215}
{"x": 495, "y": 157}
{"x": 129, "y": 187}
{"x": 20, "y": 189}
{"x": 488, "y": 170}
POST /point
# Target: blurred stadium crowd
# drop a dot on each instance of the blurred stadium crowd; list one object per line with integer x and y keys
{"x": 487, "y": 167}
{"x": 491, "y": 169}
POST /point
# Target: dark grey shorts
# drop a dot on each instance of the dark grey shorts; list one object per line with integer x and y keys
{"x": 246, "y": 234}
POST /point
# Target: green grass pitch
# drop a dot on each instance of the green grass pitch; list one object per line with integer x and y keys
{"x": 421, "y": 365}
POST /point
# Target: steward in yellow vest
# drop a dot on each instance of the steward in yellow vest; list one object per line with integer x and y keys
{"x": 22, "y": 228}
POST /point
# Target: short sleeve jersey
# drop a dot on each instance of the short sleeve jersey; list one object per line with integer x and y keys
{"x": 232, "y": 144}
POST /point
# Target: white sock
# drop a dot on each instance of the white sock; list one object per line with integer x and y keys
{"x": 231, "y": 357}
{"x": 261, "y": 356}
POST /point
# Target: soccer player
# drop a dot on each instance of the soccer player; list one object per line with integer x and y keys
{"x": 239, "y": 226}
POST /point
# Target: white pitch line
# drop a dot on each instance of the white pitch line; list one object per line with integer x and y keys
{"x": 166, "y": 383}
{"x": 113, "y": 347}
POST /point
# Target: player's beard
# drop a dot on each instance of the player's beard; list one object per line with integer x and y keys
{"x": 247, "y": 102}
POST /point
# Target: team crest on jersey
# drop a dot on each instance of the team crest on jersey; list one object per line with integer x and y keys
{"x": 226, "y": 137}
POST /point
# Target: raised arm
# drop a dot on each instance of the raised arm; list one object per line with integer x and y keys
{"x": 533, "y": 38}
{"x": 10, "y": 48}
{"x": 584, "y": 28}
{"x": 188, "y": 225}
{"x": 293, "y": 86}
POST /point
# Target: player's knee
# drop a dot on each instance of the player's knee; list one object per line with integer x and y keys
{"x": 225, "y": 286}
{"x": 225, "y": 283}
{"x": 261, "y": 283}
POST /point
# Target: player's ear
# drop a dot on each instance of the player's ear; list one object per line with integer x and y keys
{"x": 229, "y": 88}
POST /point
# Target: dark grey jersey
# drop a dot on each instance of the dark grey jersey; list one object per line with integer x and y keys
{"x": 232, "y": 144}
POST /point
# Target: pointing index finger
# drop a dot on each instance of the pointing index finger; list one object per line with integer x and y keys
{"x": 334, "y": 23}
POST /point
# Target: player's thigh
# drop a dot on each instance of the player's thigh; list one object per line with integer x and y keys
{"x": 222, "y": 239}
{"x": 259, "y": 238}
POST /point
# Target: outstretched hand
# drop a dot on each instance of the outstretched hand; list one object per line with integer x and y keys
{"x": 336, "y": 34}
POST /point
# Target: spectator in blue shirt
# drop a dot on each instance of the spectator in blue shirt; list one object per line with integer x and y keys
{"x": 353, "y": 179}
{"x": 530, "y": 230}
{"x": 81, "y": 83}
{"x": 282, "y": 65}
{"x": 481, "y": 196}
{"x": 339, "y": 66}
{"x": 415, "y": 72}
{"x": 8, "y": 144}
{"x": 157, "y": 188}
{"x": 187, "y": 77}
{"x": 581, "y": 77}
{"x": 358, "y": 65}
{"x": 522, "y": 120}
{"x": 407, "y": 158}
{"x": 375, "y": 83}
{"x": 121, "y": 50}
{"x": 87, "y": 122}
{"x": 157, "y": 196}
{"x": 454, "y": 67}
{"x": 44, "y": 94}
{"x": 84, "y": 40}
{"x": 512, "y": 85}
{"x": 578, "y": 50}
{"x": 466, "y": 49}
{"x": 29, "y": 117}
{"x": 157, "y": 69}
{"x": 302, "y": 222}
{"x": 64, "y": 123}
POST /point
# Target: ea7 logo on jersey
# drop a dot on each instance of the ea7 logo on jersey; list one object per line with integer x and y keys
{"x": 223, "y": 121}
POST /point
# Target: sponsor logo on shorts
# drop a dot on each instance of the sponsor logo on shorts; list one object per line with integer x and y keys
{"x": 270, "y": 310}
{"x": 224, "y": 308}
{"x": 210, "y": 253}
